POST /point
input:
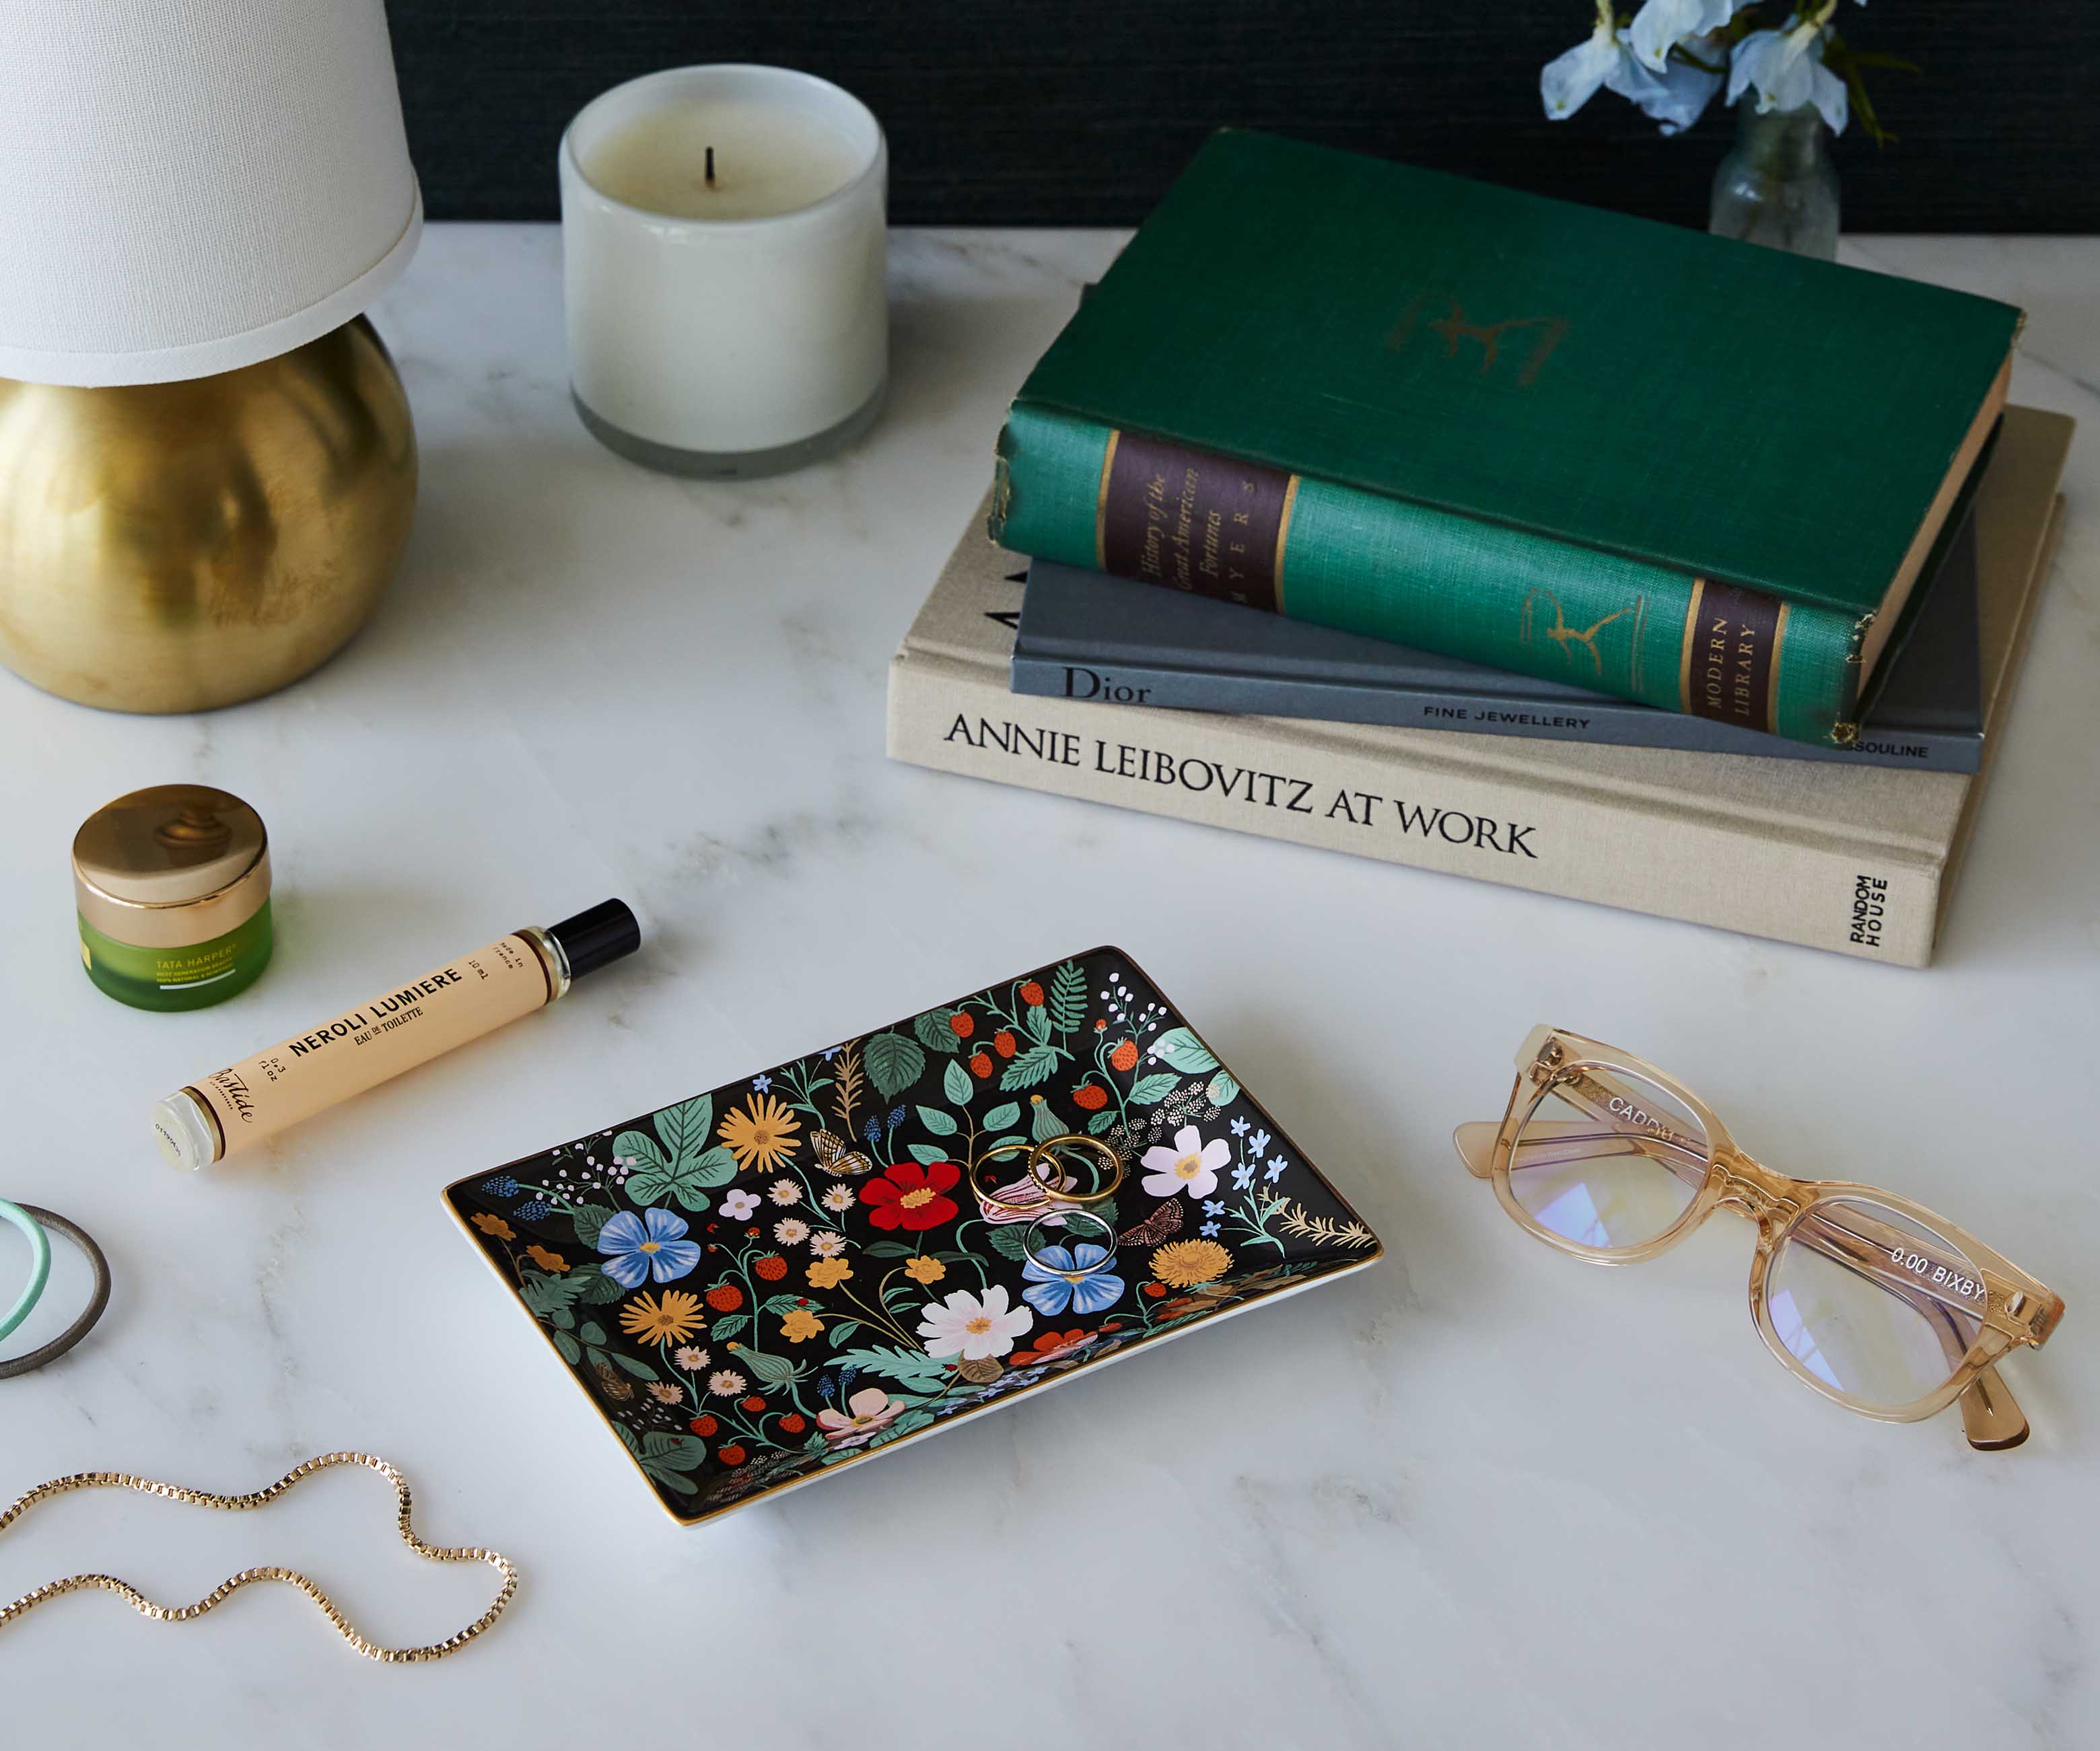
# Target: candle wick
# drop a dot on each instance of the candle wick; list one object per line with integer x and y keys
{"x": 711, "y": 167}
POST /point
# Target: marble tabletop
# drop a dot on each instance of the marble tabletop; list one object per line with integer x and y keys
{"x": 1478, "y": 1495}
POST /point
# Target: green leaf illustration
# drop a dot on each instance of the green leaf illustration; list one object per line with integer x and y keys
{"x": 1181, "y": 1048}
{"x": 940, "y": 1123}
{"x": 571, "y": 1351}
{"x": 1148, "y": 1091}
{"x": 683, "y": 1128}
{"x": 1006, "y": 1114}
{"x": 933, "y": 1031}
{"x": 914, "y": 1368}
{"x": 955, "y": 1084}
{"x": 1068, "y": 996}
{"x": 893, "y": 1063}
{"x": 1099, "y": 1123}
{"x": 1033, "y": 1066}
{"x": 728, "y": 1325}
{"x": 927, "y": 1153}
{"x": 889, "y": 1249}
{"x": 1009, "y": 1240}
{"x": 598, "y": 1288}
{"x": 1038, "y": 1024}
{"x": 1224, "y": 1089}
{"x": 683, "y": 1451}
{"x": 840, "y": 1329}
{"x": 547, "y": 1293}
{"x": 590, "y": 1219}
{"x": 640, "y": 1370}
{"x": 592, "y": 1332}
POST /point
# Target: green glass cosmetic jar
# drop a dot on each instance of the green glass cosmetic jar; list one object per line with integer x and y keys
{"x": 172, "y": 887}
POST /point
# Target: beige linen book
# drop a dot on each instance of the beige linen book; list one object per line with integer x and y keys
{"x": 1857, "y": 859}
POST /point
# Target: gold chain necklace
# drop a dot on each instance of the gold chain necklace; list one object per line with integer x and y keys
{"x": 233, "y": 1584}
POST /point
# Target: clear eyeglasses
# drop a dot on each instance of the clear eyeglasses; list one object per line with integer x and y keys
{"x": 1871, "y": 1299}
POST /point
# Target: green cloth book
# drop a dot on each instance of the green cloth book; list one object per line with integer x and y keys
{"x": 1588, "y": 448}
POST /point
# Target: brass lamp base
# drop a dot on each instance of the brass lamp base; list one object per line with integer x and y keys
{"x": 173, "y": 547}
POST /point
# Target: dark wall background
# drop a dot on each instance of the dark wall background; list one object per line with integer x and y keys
{"x": 1080, "y": 112}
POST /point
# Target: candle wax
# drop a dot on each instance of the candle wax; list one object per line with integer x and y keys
{"x": 768, "y": 160}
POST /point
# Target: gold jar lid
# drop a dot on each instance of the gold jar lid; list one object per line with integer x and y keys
{"x": 171, "y": 866}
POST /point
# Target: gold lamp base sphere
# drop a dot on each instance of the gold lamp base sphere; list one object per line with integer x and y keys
{"x": 173, "y": 547}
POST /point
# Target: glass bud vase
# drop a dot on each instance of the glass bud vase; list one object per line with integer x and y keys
{"x": 1778, "y": 187}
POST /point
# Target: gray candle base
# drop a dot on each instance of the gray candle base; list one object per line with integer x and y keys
{"x": 747, "y": 464}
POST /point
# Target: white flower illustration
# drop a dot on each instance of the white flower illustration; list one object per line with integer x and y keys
{"x": 973, "y": 1328}
{"x": 1190, "y": 1166}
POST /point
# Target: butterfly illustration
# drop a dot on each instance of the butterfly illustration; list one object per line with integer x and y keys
{"x": 1155, "y": 1227}
{"x": 834, "y": 1156}
{"x": 610, "y": 1384}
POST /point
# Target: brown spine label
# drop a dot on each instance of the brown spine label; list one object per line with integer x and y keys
{"x": 1730, "y": 670}
{"x": 1193, "y": 521}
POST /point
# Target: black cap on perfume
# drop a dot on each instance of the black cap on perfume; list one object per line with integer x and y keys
{"x": 597, "y": 938}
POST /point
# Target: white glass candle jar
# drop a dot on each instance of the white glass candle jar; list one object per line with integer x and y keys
{"x": 722, "y": 242}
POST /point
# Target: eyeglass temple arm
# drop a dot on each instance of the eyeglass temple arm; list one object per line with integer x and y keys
{"x": 1991, "y": 1417}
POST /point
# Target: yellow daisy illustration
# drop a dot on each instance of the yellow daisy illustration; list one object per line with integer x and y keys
{"x": 670, "y": 1318}
{"x": 761, "y": 1135}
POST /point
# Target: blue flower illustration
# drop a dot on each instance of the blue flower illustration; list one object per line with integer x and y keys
{"x": 1257, "y": 1144}
{"x": 637, "y": 1248}
{"x": 1208, "y": 1229}
{"x": 502, "y": 1186}
{"x": 761, "y": 1083}
{"x": 1239, "y": 1127}
{"x": 1243, "y": 1175}
{"x": 1214, "y": 1206}
{"x": 1060, "y": 1277}
{"x": 1276, "y": 1169}
{"x": 532, "y": 1210}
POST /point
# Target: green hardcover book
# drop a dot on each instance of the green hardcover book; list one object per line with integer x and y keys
{"x": 1593, "y": 448}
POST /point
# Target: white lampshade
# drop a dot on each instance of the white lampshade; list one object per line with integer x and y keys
{"x": 190, "y": 186}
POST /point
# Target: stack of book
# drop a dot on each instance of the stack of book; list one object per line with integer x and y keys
{"x": 1511, "y": 539}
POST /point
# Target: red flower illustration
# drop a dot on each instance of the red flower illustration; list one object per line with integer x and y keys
{"x": 961, "y": 1025}
{"x": 1090, "y": 1097}
{"x": 1031, "y": 992}
{"x": 910, "y": 1195}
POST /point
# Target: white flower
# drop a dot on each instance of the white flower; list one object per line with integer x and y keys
{"x": 725, "y": 1382}
{"x": 839, "y": 1198}
{"x": 739, "y": 1206}
{"x": 1674, "y": 98}
{"x": 1661, "y": 24}
{"x": 1191, "y": 1166}
{"x": 826, "y": 1244}
{"x": 784, "y": 1192}
{"x": 691, "y": 1358}
{"x": 1786, "y": 67}
{"x": 791, "y": 1231}
{"x": 973, "y": 1329}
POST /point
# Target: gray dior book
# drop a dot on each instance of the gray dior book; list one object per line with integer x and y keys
{"x": 1084, "y": 636}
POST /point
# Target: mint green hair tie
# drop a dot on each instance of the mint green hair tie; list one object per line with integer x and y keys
{"x": 40, "y": 1265}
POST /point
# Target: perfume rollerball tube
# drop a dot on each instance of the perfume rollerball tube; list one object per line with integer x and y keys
{"x": 395, "y": 1031}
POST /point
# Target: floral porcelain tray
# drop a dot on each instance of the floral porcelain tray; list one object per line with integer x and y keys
{"x": 762, "y": 1283}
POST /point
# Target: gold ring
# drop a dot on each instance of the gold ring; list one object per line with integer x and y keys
{"x": 1034, "y": 1205}
{"x": 1047, "y": 1150}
